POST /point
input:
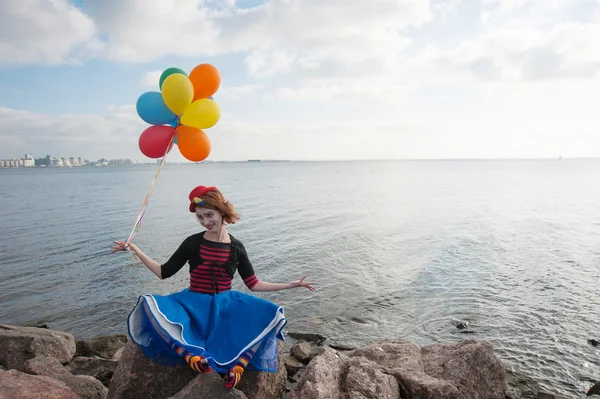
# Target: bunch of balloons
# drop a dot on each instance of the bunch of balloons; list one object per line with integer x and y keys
{"x": 178, "y": 113}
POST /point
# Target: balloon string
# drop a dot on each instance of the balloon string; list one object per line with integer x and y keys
{"x": 140, "y": 217}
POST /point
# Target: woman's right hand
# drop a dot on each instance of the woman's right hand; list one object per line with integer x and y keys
{"x": 121, "y": 246}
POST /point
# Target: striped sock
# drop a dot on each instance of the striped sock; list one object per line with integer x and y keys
{"x": 196, "y": 362}
{"x": 234, "y": 375}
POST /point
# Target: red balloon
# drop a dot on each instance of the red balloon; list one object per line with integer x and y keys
{"x": 154, "y": 141}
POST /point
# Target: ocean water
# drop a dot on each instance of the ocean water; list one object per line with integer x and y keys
{"x": 398, "y": 249}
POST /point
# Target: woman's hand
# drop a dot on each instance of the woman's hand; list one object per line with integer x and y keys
{"x": 302, "y": 283}
{"x": 120, "y": 246}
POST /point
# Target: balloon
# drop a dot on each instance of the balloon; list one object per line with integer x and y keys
{"x": 167, "y": 73}
{"x": 174, "y": 122}
{"x": 201, "y": 114}
{"x": 206, "y": 80}
{"x": 175, "y": 141}
{"x": 153, "y": 141}
{"x": 153, "y": 110}
{"x": 194, "y": 144}
{"x": 178, "y": 92}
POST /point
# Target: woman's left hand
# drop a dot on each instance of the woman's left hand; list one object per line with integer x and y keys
{"x": 302, "y": 283}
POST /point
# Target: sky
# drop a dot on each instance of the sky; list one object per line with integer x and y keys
{"x": 308, "y": 79}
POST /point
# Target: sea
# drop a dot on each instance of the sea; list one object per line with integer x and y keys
{"x": 396, "y": 249}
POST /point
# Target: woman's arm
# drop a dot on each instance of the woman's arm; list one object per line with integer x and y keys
{"x": 264, "y": 286}
{"x": 150, "y": 263}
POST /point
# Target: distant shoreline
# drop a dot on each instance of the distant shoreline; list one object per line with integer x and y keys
{"x": 259, "y": 161}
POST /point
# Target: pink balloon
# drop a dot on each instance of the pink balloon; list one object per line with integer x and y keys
{"x": 153, "y": 141}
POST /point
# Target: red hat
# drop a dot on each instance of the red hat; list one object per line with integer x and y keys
{"x": 196, "y": 196}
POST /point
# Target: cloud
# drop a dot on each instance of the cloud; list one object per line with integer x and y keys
{"x": 367, "y": 92}
{"x": 44, "y": 32}
{"x": 269, "y": 62}
{"x": 238, "y": 92}
{"x": 141, "y": 30}
{"x": 65, "y": 135}
{"x": 151, "y": 79}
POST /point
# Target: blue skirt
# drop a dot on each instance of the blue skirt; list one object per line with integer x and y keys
{"x": 220, "y": 328}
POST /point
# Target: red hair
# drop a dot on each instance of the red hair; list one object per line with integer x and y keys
{"x": 215, "y": 200}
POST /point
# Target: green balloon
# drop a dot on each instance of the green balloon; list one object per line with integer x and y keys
{"x": 167, "y": 72}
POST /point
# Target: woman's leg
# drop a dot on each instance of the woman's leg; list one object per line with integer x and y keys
{"x": 234, "y": 375}
{"x": 196, "y": 362}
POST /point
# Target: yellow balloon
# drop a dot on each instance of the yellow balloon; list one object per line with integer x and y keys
{"x": 201, "y": 114}
{"x": 177, "y": 93}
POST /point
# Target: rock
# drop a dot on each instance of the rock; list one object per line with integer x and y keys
{"x": 106, "y": 347}
{"x": 46, "y": 366}
{"x": 468, "y": 370}
{"x": 260, "y": 385}
{"x": 138, "y": 376}
{"x": 40, "y": 324}
{"x": 342, "y": 348}
{"x": 323, "y": 377}
{"x": 316, "y": 339}
{"x": 594, "y": 390}
{"x": 594, "y": 342}
{"x": 471, "y": 366}
{"x": 519, "y": 386}
{"x": 20, "y": 344}
{"x": 365, "y": 381}
{"x": 97, "y": 367}
{"x": 462, "y": 325}
{"x": 85, "y": 386}
{"x": 2, "y": 368}
{"x": 15, "y": 384}
{"x": 292, "y": 365}
{"x": 390, "y": 355}
{"x": 302, "y": 351}
{"x": 208, "y": 386}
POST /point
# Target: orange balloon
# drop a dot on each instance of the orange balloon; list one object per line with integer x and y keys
{"x": 193, "y": 143}
{"x": 206, "y": 80}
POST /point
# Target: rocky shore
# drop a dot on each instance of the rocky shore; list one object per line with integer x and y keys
{"x": 43, "y": 363}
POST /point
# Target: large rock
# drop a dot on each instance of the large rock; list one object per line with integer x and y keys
{"x": 97, "y": 367}
{"x": 139, "y": 377}
{"x": 20, "y": 344}
{"x": 108, "y": 347}
{"x": 322, "y": 377}
{"x": 15, "y": 384}
{"x": 259, "y": 385}
{"x": 366, "y": 381}
{"x": 85, "y": 386}
{"x": 208, "y": 386}
{"x": 470, "y": 366}
{"x": 468, "y": 370}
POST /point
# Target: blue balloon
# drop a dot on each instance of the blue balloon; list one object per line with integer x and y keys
{"x": 175, "y": 140}
{"x": 174, "y": 122}
{"x": 153, "y": 110}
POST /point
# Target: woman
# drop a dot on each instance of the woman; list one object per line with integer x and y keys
{"x": 208, "y": 325}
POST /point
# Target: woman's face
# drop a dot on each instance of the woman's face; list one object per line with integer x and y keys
{"x": 210, "y": 219}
